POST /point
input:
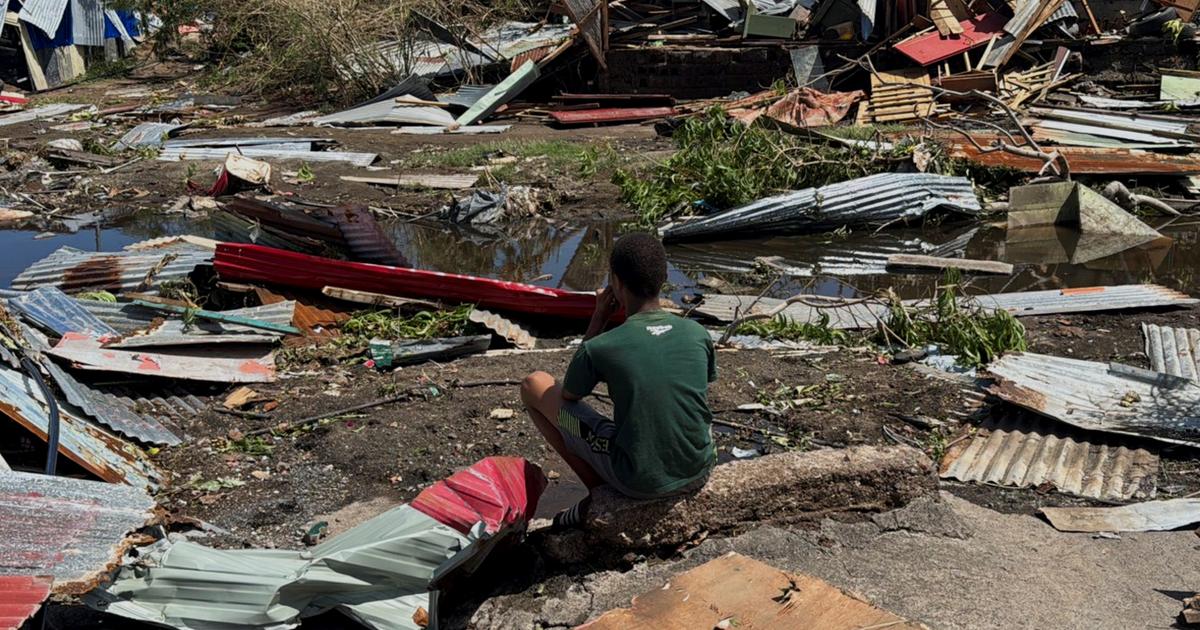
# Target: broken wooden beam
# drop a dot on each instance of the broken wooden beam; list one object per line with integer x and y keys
{"x": 780, "y": 488}
{"x": 441, "y": 182}
{"x": 379, "y": 299}
{"x": 962, "y": 264}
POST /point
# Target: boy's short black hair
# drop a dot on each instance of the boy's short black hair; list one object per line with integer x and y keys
{"x": 640, "y": 261}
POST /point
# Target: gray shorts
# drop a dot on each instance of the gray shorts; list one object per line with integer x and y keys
{"x": 589, "y": 434}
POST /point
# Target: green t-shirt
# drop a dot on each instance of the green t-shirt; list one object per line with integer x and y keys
{"x": 657, "y": 366}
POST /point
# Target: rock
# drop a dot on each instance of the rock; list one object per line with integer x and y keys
{"x": 779, "y": 488}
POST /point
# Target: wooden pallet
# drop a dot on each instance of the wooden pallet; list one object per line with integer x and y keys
{"x": 895, "y": 96}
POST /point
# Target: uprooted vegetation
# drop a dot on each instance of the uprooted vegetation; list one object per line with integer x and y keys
{"x": 363, "y": 326}
{"x": 724, "y": 163}
{"x": 314, "y": 51}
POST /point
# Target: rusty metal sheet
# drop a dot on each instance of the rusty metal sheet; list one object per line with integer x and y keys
{"x": 95, "y": 449}
{"x": 757, "y": 595}
{"x": 71, "y": 529}
{"x": 310, "y": 313}
{"x": 1174, "y": 351}
{"x": 610, "y": 115}
{"x": 1018, "y": 449}
{"x": 364, "y": 236}
{"x": 74, "y": 270}
{"x": 1083, "y": 160}
{"x": 504, "y": 327}
{"x": 21, "y": 596}
{"x": 1106, "y": 397}
{"x": 231, "y": 366}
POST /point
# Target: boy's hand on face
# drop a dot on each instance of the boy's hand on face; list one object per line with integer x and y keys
{"x": 606, "y": 304}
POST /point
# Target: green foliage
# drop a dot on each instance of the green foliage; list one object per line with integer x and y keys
{"x": 975, "y": 334}
{"x": 782, "y": 327}
{"x": 726, "y": 164}
{"x": 97, "y": 296}
{"x": 196, "y": 482}
{"x": 305, "y": 175}
{"x": 366, "y": 325}
{"x": 110, "y": 69}
{"x": 559, "y": 153}
{"x": 255, "y": 445}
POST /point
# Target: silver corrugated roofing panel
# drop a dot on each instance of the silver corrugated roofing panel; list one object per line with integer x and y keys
{"x": 378, "y": 573}
{"x": 44, "y": 14}
{"x": 1151, "y": 516}
{"x": 1107, "y": 397}
{"x": 243, "y": 142}
{"x": 1174, "y": 351}
{"x": 124, "y": 317}
{"x": 70, "y": 529}
{"x": 54, "y": 311}
{"x": 95, "y": 449}
{"x": 391, "y": 112}
{"x": 87, "y": 23}
{"x": 1020, "y": 304}
{"x": 468, "y": 95}
{"x": 72, "y": 269}
{"x": 41, "y": 113}
{"x": 1124, "y": 136}
{"x": 111, "y": 411}
{"x": 878, "y": 198}
{"x": 866, "y": 22}
{"x": 206, "y": 331}
{"x": 150, "y": 134}
{"x": 1064, "y": 12}
{"x": 1022, "y": 450}
{"x": 218, "y": 153}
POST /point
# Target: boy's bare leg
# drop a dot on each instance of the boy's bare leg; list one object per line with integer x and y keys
{"x": 543, "y": 398}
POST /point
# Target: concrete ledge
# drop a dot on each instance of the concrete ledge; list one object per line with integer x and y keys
{"x": 781, "y": 488}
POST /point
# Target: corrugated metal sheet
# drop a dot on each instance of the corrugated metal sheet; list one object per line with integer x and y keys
{"x": 365, "y": 238}
{"x": 1107, "y": 397}
{"x": 467, "y": 95}
{"x": 470, "y": 130}
{"x": 1020, "y": 304}
{"x": 504, "y": 327}
{"x": 1174, "y": 351}
{"x": 72, "y": 270}
{"x": 71, "y": 529}
{"x": 1083, "y": 160}
{"x": 586, "y": 16}
{"x": 1088, "y": 135}
{"x": 87, "y": 23}
{"x": 246, "y": 142}
{"x": 1022, "y": 450}
{"x": 54, "y": 311}
{"x": 41, "y": 113}
{"x": 149, "y": 134}
{"x": 875, "y": 199}
{"x": 309, "y": 314}
{"x": 1116, "y": 120}
{"x": 96, "y": 450}
{"x": 206, "y": 331}
{"x": 210, "y": 153}
{"x": 1064, "y": 12}
{"x": 610, "y": 115}
{"x": 1150, "y": 516}
{"x": 379, "y": 572}
{"x": 505, "y": 91}
{"x": 250, "y": 365}
{"x": 44, "y": 14}
{"x": 111, "y": 411}
{"x": 394, "y": 112}
{"x": 21, "y": 596}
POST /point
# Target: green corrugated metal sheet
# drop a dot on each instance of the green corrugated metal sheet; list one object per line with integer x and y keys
{"x": 378, "y": 573}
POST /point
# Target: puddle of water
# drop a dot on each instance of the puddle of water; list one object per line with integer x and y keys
{"x": 575, "y": 256}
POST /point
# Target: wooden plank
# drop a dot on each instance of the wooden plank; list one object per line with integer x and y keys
{"x": 220, "y": 317}
{"x": 87, "y": 354}
{"x": 37, "y": 77}
{"x": 734, "y": 591}
{"x": 441, "y": 182}
{"x": 943, "y": 18}
{"x": 378, "y": 299}
{"x": 964, "y": 264}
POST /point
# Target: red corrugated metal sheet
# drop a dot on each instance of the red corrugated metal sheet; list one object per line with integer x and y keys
{"x": 497, "y": 491}
{"x": 20, "y": 597}
{"x": 254, "y": 263}
{"x": 932, "y": 47}
{"x": 1083, "y": 160}
{"x": 610, "y": 115}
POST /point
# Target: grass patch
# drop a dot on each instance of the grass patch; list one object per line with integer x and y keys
{"x": 557, "y": 153}
{"x": 959, "y": 327}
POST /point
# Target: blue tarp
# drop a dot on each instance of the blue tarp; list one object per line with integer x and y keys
{"x": 64, "y": 35}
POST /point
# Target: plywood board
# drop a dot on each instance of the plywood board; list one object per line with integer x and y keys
{"x": 734, "y": 591}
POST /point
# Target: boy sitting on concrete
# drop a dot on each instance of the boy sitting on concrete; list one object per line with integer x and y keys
{"x": 657, "y": 366}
